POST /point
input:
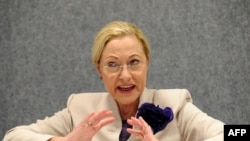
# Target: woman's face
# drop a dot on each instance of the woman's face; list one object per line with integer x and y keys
{"x": 125, "y": 84}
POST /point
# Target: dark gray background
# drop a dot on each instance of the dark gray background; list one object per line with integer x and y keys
{"x": 201, "y": 45}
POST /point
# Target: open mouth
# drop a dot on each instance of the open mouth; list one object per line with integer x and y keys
{"x": 126, "y": 88}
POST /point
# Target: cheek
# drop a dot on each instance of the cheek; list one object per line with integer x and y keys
{"x": 109, "y": 81}
{"x": 141, "y": 77}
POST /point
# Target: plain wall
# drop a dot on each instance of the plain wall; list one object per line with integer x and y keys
{"x": 201, "y": 45}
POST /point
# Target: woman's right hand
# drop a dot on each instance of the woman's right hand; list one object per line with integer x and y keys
{"x": 88, "y": 127}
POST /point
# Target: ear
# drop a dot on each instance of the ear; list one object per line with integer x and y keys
{"x": 97, "y": 65}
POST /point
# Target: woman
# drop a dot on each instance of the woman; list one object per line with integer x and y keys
{"x": 128, "y": 110}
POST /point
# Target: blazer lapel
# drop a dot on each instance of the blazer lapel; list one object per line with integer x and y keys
{"x": 114, "y": 128}
{"x": 147, "y": 96}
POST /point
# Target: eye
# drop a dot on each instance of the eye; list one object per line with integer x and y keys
{"x": 134, "y": 62}
{"x": 112, "y": 64}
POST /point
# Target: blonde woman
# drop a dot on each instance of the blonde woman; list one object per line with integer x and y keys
{"x": 127, "y": 111}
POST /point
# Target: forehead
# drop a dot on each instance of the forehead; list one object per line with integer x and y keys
{"x": 125, "y": 44}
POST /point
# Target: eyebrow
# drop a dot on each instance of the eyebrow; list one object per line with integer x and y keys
{"x": 111, "y": 56}
{"x": 115, "y": 56}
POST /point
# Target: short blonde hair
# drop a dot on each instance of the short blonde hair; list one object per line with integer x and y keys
{"x": 117, "y": 29}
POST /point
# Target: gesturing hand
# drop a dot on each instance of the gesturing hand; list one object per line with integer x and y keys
{"x": 141, "y": 129}
{"x": 88, "y": 127}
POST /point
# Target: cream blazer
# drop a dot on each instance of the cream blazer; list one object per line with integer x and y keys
{"x": 189, "y": 123}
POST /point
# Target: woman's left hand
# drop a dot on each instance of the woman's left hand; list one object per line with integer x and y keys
{"x": 141, "y": 129}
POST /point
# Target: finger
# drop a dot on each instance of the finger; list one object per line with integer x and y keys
{"x": 102, "y": 114}
{"x": 100, "y": 119}
{"x": 85, "y": 120}
{"x": 145, "y": 127}
{"x": 136, "y": 133}
{"x": 98, "y": 116}
{"x": 138, "y": 127}
{"x": 105, "y": 122}
{"x": 143, "y": 123}
{"x": 135, "y": 122}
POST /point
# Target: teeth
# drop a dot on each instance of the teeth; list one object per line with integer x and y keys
{"x": 126, "y": 86}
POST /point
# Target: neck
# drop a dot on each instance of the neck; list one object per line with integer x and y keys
{"x": 128, "y": 111}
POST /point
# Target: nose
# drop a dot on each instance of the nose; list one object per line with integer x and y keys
{"x": 125, "y": 74}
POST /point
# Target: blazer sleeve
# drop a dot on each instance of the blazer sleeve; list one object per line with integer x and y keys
{"x": 189, "y": 121}
{"x": 60, "y": 124}
{"x": 195, "y": 124}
